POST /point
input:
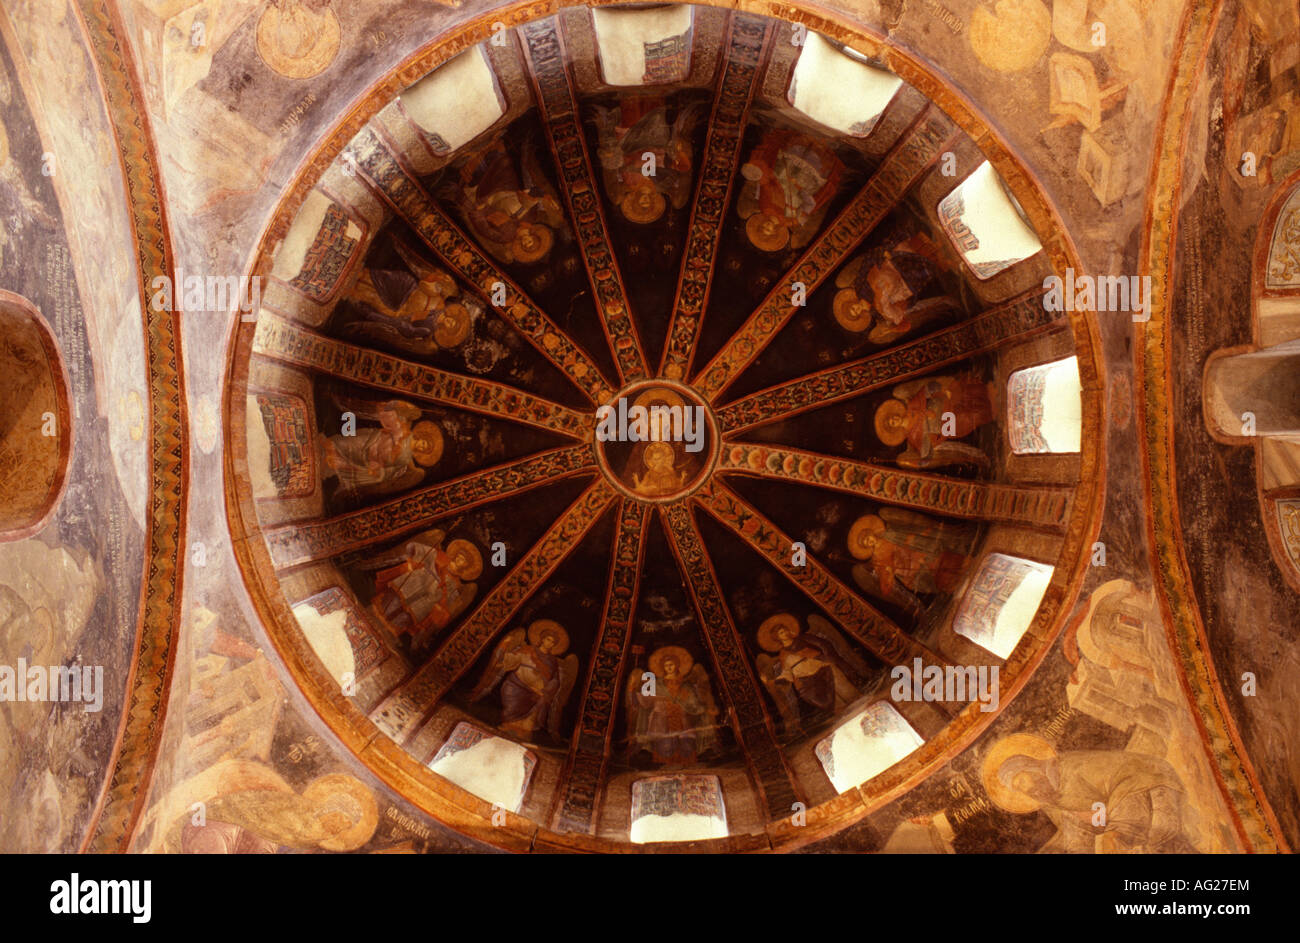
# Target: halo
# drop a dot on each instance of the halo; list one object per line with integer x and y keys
{"x": 429, "y": 431}
{"x": 683, "y": 658}
{"x": 773, "y": 243}
{"x": 545, "y": 239}
{"x": 475, "y": 566}
{"x": 635, "y": 213}
{"x": 298, "y": 44}
{"x": 869, "y": 525}
{"x": 341, "y": 794}
{"x": 452, "y": 326}
{"x": 845, "y": 298}
{"x": 886, "y": 411}
{"x": 541, "y": 626}
{"x": 671, "y": 397}
{"x": 1003, "y": 796}
{"x": 767, "y": 631}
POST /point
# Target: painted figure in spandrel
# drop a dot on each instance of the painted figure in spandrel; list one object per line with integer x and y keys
{"x": 816, "y": 667}
{"x": 672, "y": 714}
{"x": 421, "y": 589}
{"x": 534, "y": 677}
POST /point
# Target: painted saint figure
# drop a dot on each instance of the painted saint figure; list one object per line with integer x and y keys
{"x": 906, "y": 555}
{"x": 509, "y": 204}
{"x": 645, "y": 161}
{"x": 672, "y": 715}
{"x": 816, "y": 667}
{"x": 892, "y": 291}
{"x": 415, "y": 312}
{"x": 928, "y": 414}
{"x": 535, "y": 682}
{"x": 661, "y": 465}
{"x": 419, "y": 592}
{"x": 790, "y": 180}
{"x": 1144, "y": 798}
{"x": 386, "y": 459}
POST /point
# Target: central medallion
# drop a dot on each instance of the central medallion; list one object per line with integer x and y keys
{"x": 656, "y": 440}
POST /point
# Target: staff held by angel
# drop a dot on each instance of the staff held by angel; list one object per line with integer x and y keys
{"x": 930, "y": 414}
{"x": 816, "y": 669}
{"x": 671, "y": 712}
{"x": 534, "y": 679}
{"x": 905, "y": 556}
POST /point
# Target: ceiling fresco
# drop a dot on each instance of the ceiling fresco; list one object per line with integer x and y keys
{"x": 465, "y": 426}
{"x": 443, "y": 399}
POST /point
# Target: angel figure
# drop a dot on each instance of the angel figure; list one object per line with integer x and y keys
{"x": 412, "y": 311}
{"x": 906, "y": 555}
{"x": 419, "y": 590}
{"x": 817, "y": 667}
{"x": 888, "y": 288}
{"x": 535, "y": 681}
{"x": 509, "y": 205}
{"x": 389, "y": 458}
{"x": 673, "y": 714}
{"x": 789, "y": 182}
{"x": 928, "y": 414}
{"x": 632, "y": 134}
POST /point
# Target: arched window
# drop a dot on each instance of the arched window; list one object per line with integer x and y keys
{"x": 1045, "y": 408}
{"x": 866, "y": 745}
{"x": 677, "y": 808}
{"x": 493, "y": 768}
{"x": 1001, "y": 602}
{"x": 822, "y": 77}
{"x": 985, "y": 224}
{"x": 647, "y": 46}
{"x": 455, "y": 103}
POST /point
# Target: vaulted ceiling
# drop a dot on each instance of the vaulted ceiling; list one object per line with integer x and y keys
{"x": 416, "y": 566}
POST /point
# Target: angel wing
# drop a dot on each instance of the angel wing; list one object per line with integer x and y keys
{"x": 822, "y": 629}
{"x": 568, "y": 675}
{"x": 944, "y": 453}
{"x": 849, "y": 274}
{"x": 866, "y": 578}
{"x": 417, "y": 264}
{"x": 787, "y": 702}
{"x": 925, "y": 532}
{"x": 698, "y": 678}
{"x": 636, "y": 715}
{"x": 432, "y": 538}
{"x": 497, "y": 666}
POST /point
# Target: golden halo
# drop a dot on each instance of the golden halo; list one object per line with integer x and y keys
{"x": 842, "y": 306}
{"x": 635, "y": 212}
{"x": 869, "y": 525}
{"x": 452, "y": 326}
{"x": 774, "y": 242}
{"x": 475, "y": 565}
{"x": 542, "y": 626}
{"x": 671, "y": 397}
{"x": 1003, "y": 796}
{"x": 683, "y": 658}
{"x": 767, "y": 631}
{"x": 298, "y": 43}
{"x": 429, "y": 432}
{"x": 886, "y": 411}
{"x": 545, "y": 239}
{"x": 337, "y": 799}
